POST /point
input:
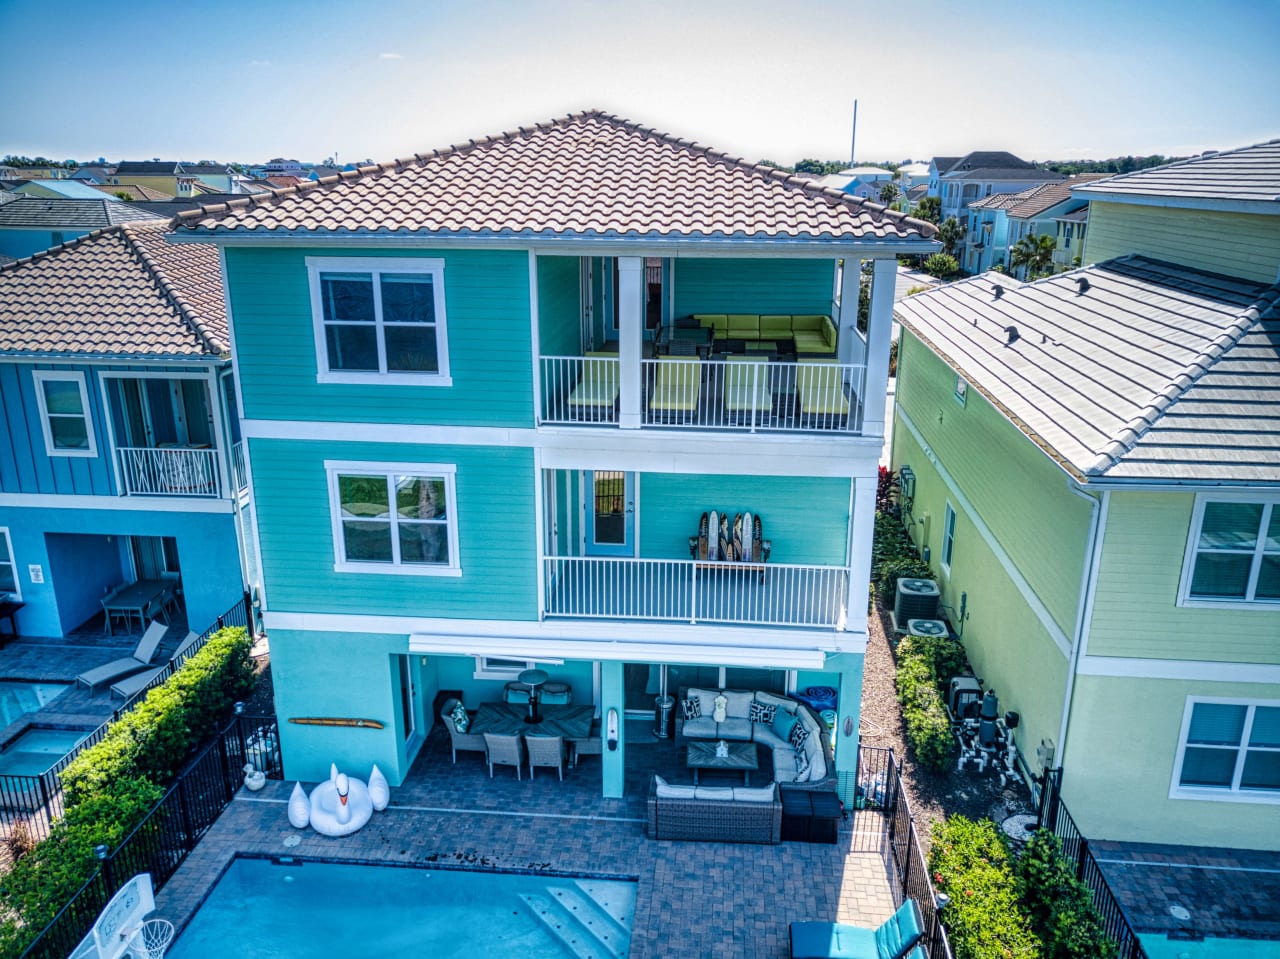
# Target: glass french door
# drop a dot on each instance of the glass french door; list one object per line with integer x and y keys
{"x": 610, "y": 504}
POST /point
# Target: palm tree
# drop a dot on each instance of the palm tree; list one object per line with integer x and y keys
{"x": 888, "y": 193}
{"x": 1034, "y": 253}
{"x": 950, "y": 234}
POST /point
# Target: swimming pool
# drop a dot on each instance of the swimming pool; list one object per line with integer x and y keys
{"x": 1162, "y": 947}
{"x": 18, "y": 698}
{"x": 37, "y": 748}
{"x": 264, "y": 909}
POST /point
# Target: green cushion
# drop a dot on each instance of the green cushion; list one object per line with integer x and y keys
{"x": 775, "y": 326}
{"x": 744, "y": 325}
{"x": 717, "y": 322}
{"x": 812, "y": 343}
{"x": 806, "y": 322}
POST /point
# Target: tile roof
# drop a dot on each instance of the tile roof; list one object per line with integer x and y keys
{"x": 1005, "y": 173}
{"x": 1076, "y": 216}
{"x": 585, "y": 175}
{"x": 1150, "y": 372}
{"x": 147, "y": 168}
{"x": 135, "y": 190}
{"x": 999, "y": 201}
{"x": 988, "y": 159}
{"x": 36, "y": 212}
{"x": 1249, "y": 173}
{"x": 68, "y": 189}
{"x": 1040, "y": 198}
{"x": 121, "y": 291}
{"x": 943, "y": 164}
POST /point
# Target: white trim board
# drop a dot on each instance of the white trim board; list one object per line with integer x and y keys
{"x": 1059, "y": 637}
{"x": 1179, "y": 669}
{"x": 132, "y": 504}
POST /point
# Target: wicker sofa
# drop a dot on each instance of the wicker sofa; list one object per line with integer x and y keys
{"x": 812, "y": 333}
{"x": 714, "y": 813}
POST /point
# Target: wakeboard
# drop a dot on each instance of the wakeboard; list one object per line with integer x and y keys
{"x": 737, "y": 537}
{"x": 713, "y": 543}
{"x": 726, "y": 544}
{"x": 702, "y": 538}
{"x": 748, "y": 539}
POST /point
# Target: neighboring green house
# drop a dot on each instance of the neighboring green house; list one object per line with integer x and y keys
{"x": 1097, "y": 480}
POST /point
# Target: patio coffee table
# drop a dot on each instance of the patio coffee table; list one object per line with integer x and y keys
{"x": 702, "y": 755}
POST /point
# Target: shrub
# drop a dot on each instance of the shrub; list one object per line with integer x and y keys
{"x": 887, "y": 491}
{"x": 941, "y": 265}
{"x": 984, "y": 918}
{"x": 892, "y": 570}
{"x": 928, "y": 728}
{"x": 1058, "y": 904}
{"x": 942, "y": 656}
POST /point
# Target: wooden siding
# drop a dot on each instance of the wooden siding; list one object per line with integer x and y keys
{"x": 1135, "y": 611}
{"x": 1018, "y": 492}
{"x": 496, "y": 533}
{"x": 1244, "y": 245}
{"x": 559, "y": 307}
{"x": 807, "y": 518}
{"x": 753, "y": 286}
{"x": 490, "y": 342}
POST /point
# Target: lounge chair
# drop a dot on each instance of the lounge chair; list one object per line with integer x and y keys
{"x": 746, "y": 388}
{"x": 896, "y": 937}
{"x": 820, "y": 389}
{"x": 126, "y": 665}
{"x": 546, "y": 751}
{"x": 505, "y": 751}
{"x": 675, "y": 389}
{"x": 472, "y": 742}
{"x": 138, "y": 681}
{"x": 595, "y": 397}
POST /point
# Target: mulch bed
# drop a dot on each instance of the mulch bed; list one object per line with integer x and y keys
{"x": 262, "y": 701}
{"x": 932, "y": 796}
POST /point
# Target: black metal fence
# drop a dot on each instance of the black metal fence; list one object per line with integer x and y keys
{"x": 30, "y": 803}
{"x": 1053, "y": 815}
{"x": 169, "y": 832}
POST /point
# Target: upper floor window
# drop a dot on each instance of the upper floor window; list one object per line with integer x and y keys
{"x": 394, "y": 518}
{"x": 64, "y": 413}
{"x": 1231, "y": 746}
{"x": 379, "y": 320}
{"x": 8, "y": 569}
{"x": 948, "y": 537}
{"x": 1234, "y": 552}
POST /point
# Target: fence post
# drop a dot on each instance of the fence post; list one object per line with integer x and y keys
{"x": 250, "y": 625}
{"x": 101, "y": 852}
{"x": 1080, "y": 858}
{"x": 228, "y": 790}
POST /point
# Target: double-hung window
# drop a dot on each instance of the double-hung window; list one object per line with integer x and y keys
{"x": 394, "y": 518}
{"x": 1229, "y": 746}
{"x": 1234, "y": 553}
{"x": 8, "y": 570}
{"x": 379, "y": 320}
{"x": 64, "y": 413}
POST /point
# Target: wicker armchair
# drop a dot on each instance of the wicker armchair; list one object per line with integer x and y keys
{"x": 593, "y": 745}
{"x": 505, "y": 751}
{"x": 473, "y": 742}
{"x": 546, "y": 751}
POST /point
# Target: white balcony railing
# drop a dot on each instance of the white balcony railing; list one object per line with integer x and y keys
{"x": 170, "y": 471}
{"x": 761, "y": 594}
{"x": 239, "y": 475}
{"x": 750, "y": 393}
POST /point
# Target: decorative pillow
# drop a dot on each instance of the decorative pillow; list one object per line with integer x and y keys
{"x": 692, "y": 708}
{"x": 783, "y": 723}
{"x": 762, "y": 712}
{"x": 802, "y": 764}
{"x": 798, "y": 735}
{"x": 461, "y": 721}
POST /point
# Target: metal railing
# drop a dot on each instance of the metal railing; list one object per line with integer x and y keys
{"x": 239, "y": 474}
{"x": 176, "y": 471}
{"x": 750, "y": 393}
{"x": 1053, "y": 816}
{"x": 765, "y": 594}
{"x": 32, "y": 802}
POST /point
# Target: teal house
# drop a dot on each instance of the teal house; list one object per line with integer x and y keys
{"x": 1097, "y": 487}
{"x": 120, "y": 460}
{"x": 489, "y": 393}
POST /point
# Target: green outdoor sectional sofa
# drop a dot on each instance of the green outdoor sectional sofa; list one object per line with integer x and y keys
{"x": 813, "y": 334}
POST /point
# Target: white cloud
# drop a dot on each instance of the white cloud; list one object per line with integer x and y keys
{"x": 390, "y": 56}
{"x": 259, "y": 63}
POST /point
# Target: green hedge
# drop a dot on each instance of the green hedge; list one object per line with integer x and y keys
{"x": 154, "y": 739}
{"x": 893, "y": 556}
{"x": 1059, "y": 905}
{"x": 924, "y": 664}
{"x": 984, "y": 919}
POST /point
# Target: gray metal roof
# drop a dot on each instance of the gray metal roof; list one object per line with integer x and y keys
{"x": 1249, "y": 174}
{"x": 1152, "y": 372}
{"x": 40, "y": 213}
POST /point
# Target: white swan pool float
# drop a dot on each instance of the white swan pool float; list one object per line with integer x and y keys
{"x": 340, "y": 806}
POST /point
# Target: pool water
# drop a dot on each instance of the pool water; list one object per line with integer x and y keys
{"x": 36, "y": 749}
{"x": 19, "y": 698}
{"x": 1162, "y": 947}
{"x": 261, "y": 909}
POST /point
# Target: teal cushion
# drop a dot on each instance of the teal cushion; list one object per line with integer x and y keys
{"x": 831, "y": 940}
{"x": 900, "y": 931}
{"x": 783, "y": 723}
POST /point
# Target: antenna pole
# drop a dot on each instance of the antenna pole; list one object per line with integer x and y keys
{"x": 853, "y": 144}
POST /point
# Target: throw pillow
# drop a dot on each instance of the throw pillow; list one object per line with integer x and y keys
{"x": 783, "y": 723}
{"x": 798, "y": 735}
{"x": 461, "y": 721}
{"x": 693, "y": 708}
{"x": 762, "y": 712}
{"x": 802, "y": 764}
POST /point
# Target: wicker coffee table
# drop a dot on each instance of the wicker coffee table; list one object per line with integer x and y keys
{"x": 702, "y": 755}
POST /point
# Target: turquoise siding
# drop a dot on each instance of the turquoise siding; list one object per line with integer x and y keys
{"x": 806, "y": 517}
{"x": 559, "y": 309}
{"x": 496, "y": 533}
{"x": 489, "y": 329}
{"x": 458, "y": 672}
{"x": 78, "y": 562}
{"x": 753, "y": 286}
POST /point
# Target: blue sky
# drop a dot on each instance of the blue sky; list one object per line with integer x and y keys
{"x": 226, "y": 80}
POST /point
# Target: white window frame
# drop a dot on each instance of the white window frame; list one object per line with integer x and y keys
{"x": 1193, "y": 538}
{"x": 488, "y": 670}
{"x": 375, "y": 266}
{"x": 1232, "y": 793}
{"x": 17, "y": 584}
{"x": 946, "y": 553}
{"x": 445, "y": 471}
{"x": 961, "y": 391}
{"x": 65, "y": 376}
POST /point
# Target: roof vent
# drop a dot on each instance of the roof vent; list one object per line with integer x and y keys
{"x": 998, "y": 290}
{"x": 1014, "y": 335}
{"x": 1083, "y": 283}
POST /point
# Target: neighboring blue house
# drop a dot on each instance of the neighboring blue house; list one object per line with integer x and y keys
{"x": 466, "y": 460}
{"x": 865, "y": 182}
{"x": 120, "y": 459}
{"x": 59, "y": 189}
{"x": 30, "y": 224}
{"x": 983, "y": 174}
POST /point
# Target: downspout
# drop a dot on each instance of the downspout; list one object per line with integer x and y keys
{"x": 1088, "y": 585}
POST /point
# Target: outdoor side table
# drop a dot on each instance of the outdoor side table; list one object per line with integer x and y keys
{"x": 797, "y": 813}
{"x": 825, "y": 823}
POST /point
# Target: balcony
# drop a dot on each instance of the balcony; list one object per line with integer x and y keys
{"x": 749, "y": 393}
{"x": 169, "y": 471}
{"x": 688, "y": 591}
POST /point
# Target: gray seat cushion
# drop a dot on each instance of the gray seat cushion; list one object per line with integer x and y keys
{"x": 703, "y": 727}
{"x": 739, "y": 704}
{"x": 733, "y": 728}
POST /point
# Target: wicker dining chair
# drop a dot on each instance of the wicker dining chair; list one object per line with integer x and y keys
{"x": 473, "y": 742}
{"x": 546, "y": 751}
{"x": 505, "y": 751}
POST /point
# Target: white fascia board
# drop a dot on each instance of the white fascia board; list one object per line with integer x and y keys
{"x": 1179, "y": 669}
{"x": 116, "y": 359}
{"x": 131, "y": 504}
{"x": 1263, "y": 207}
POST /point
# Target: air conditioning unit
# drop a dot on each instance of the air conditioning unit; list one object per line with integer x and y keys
{"x": 916, "y": 599}
{"x": 928, "y": 627}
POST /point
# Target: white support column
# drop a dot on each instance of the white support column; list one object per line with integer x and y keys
{"x": 630, "y": 294}
{"x": 849, "y": 344}
{"x": 861, "y": 531}
{"x": 879, "y": 331}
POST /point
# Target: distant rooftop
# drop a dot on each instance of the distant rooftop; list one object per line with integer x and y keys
{"x": 36, "y": 212}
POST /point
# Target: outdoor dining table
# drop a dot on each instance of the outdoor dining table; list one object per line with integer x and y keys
{"x": 134, "y": 598}
{"x": 507, "y": 719}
